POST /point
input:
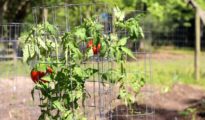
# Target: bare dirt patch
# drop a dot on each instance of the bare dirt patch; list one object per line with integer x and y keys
{"x": 169, "y": 105}
{"x": 16, "y": 102}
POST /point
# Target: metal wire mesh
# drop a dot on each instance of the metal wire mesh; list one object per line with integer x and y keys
{"x": 9, "y": 34}
{"x": 16, "y": 102}
{"x": 179, "y": 37}
{"x": 141, "y": 109}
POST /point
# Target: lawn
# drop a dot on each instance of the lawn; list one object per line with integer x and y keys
{"x": 172, "y": 65}
{"x": 176, "y": 66}
{"x": 169, "y": 66}
{"x": 12, "y": 69}
{"x": 201, "y": 3}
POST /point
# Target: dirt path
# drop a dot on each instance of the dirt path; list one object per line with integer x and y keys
{"x": 16, "y": 102}
{"x": 168, "y": 105}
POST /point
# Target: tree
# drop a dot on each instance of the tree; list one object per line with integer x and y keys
{"x": 2, "y": 2}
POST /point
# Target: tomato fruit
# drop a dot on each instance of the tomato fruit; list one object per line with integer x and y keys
{"x": 37, "y": 75}
{"x": 95, "y": 50}
{"x": 90, "y": 44}
{"x": 41, "y": 74}
{"x": 98, "y": 47}
{"x": 34, "y": 76}
{"x": 49, "y": 70}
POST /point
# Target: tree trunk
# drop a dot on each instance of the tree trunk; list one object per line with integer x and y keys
{"x": 1, "y": 14}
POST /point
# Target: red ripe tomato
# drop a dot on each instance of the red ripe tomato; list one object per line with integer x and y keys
{"x": 34, "y": 76}
{"x": 37, "y": 75}
{"x": 95, "y": 50}
{"x": 98, "y": 47}
{"x": 49, "y": 70}
{"x": 90, "y": 44}
{"x": 41, "y": 74}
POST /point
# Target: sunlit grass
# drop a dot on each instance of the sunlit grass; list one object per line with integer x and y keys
{"x": 177, "y": 69}
{"x": 201, "y": 3}
{"x": 164, "y": 72}
{"x": 12, "y": 69}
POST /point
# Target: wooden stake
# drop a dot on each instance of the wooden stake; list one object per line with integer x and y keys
{"x": 45, "y": 14}
{"x": 197, "y": 45}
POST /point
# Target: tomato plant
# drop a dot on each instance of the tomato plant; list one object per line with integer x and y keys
{"x": 62, "y": 88}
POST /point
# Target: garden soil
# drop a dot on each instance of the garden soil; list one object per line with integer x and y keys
{"x": 16, "y": 102}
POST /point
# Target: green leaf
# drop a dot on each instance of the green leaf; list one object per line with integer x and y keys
{"x": 122, "y": 41}
{"x": 128, "y": 52}
{"x": 83, "y": 118}
{"x": 47, "y": 78}
{"x": 41, "y": 43}
{"x": 31, "y": 51}
{"x": 68, "y": 115}
{"x": 78, "y": 71}
{"x": 80, "y": 33}
{"x": 111, "y": 76}
{"x": 118, "y": 54}
{"x": 90, "y": 53}
{"x": 141, "y": 32}
{"x": 136, "y": 33}
{"x": 103, "y": 49}
{"x": 32, "y": 93}
{"x": 98, "y": 26}
{"x": 133, "y": 31}
{"x": 50, "y": 44}
{"x": 118, "y": 14}
{"x": 90, "y": 71}
{"x": 41, "y": 67}
{"x": 26, "y": 52}
{"x": 37, "y": 50}
{"x": 57, "y": 105}
{"x": 66, "y": 55}
{"x": 50, "y": 28}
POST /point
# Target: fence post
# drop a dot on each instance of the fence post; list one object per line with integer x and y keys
{"x": 197, "y": 45}
{"x": 45, "y": 14}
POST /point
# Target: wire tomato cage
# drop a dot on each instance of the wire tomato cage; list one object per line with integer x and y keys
{"x": 92, "y": 79}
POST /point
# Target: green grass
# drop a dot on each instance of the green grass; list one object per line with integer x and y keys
{"x": 201, "y": 3}
{"x": 12, "y": 69}
{"x": 174, "y": 50}
{"x": 176, "y": 68}
{"x": 173, "y": 65}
